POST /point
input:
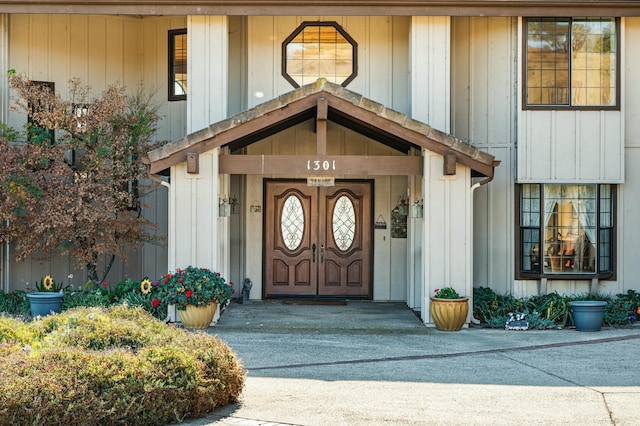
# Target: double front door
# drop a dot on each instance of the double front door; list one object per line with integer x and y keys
{"x": 318, "y": 239}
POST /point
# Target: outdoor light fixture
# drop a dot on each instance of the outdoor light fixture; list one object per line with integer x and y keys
{"x": 416, "y": 209}
{"x": 225, "y": 208}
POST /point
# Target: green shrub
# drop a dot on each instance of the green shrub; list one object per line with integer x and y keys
{"x": 14, "y": 303}
{"x": 549, "y": 310}
{"x": 112, "y": 366}
{"x": 127, "y": 291}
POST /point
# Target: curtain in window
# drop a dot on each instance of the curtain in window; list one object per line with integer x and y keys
{"x": 586, "y": 208}
{"x": 552, "y": 196}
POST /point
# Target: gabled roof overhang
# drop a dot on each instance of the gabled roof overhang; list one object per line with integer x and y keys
{"x": 324, "y": 101}
{"x": 337, "y": 7}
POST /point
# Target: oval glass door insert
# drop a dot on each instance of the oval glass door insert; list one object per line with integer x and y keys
{"x": 292, "y": 222}
{"x": 344, "y": 223}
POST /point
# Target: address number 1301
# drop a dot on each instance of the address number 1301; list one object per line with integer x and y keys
{"x": 321, "y": 165}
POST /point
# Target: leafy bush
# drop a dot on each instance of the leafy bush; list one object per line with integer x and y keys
{"x": 14, "y": 303}
{"x": 115, "y": 365}
{"x": 100, "y": 294}
{"x": 550, "y": 310}
{"x": 190, "y": 286}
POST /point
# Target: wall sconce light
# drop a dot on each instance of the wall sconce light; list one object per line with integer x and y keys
{"x": 402, "y": 207}
{"x": 225, "y": 208}
{"x": 235, "y": 205}
{"x": 416, "y": 209}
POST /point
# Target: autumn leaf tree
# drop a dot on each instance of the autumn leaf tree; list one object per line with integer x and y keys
{"x": 78, "y": 193}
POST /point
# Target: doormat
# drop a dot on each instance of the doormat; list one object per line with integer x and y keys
{"x": 326, "y": 302}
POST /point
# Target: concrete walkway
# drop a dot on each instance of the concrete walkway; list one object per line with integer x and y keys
{"x": 368, "y": 363}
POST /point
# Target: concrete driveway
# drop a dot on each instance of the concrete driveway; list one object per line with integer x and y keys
{"x": 369, "y": 363}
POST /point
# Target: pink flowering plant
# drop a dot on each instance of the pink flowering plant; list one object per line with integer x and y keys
{"x": 192, "y": 286}
{"x": 446, "y": 293}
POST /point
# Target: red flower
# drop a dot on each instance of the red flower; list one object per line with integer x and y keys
{"x": 155, "y": 302}
{"x": 179, "y": 271}
{"x": 230, "y": 284}
{"x": 179, "y": 280}
{"x": 189, "y": 293}
{"x": 104, "y": 284}
{"x": 436, "y": 290}
{"x": 168, "y": 276}
{"x": 165, "y": 281}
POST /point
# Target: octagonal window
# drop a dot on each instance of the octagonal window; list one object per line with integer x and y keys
{"x": 319, "y": 50}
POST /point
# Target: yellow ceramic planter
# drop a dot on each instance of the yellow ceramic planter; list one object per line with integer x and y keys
{"x": 449, "y": 314}
{"x": 197, "y": 316}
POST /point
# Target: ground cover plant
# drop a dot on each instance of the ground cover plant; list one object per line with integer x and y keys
{"x": 116, "y": 365}
{"x": 551, "y": 310}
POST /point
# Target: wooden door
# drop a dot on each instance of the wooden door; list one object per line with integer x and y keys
{"x": 318, "y": 239}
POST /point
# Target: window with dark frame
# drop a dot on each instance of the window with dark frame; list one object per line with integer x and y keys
{"x": 178, "y": 65}
{"x": 35, "y": 132}
{"x": 565, "y": 230}
{"x": 319, "y": 50}
{"x": 571, "y": 62}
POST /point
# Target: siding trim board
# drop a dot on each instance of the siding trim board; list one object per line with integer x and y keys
{"x": 337, "y": 7}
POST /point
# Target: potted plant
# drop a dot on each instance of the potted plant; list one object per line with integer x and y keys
{"x": 47, "y": 298}
{"x": 588, "y": 314}
{"x": 448, "y": 310}
{"x": 195, "y": 292}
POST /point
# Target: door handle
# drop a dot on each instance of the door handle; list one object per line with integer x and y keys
{"x": 313, "y": 253}
{"x": 321, "y": 253}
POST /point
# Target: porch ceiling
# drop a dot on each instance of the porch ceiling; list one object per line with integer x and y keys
{"x": 337, "y": 7}
{"x": 338, "y": 105}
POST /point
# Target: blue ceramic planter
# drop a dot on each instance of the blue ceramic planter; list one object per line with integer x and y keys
{"x": 43, "y": 302}
{"x": 588, "y": 314}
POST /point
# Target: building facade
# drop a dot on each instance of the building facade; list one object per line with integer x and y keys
{"x": 379, "y": 152}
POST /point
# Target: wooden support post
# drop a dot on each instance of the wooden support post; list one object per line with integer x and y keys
{"x": 321, "y": 126}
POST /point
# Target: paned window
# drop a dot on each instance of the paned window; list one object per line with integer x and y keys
{"x": 177, "y": 65}
{"x": 319, "y": 49}
{"x": 571, "y": 62}
{"x": 566, "y": 230}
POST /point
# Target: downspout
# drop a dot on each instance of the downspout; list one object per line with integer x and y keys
{"x": 473, "y": 188}
{"x": 157, "y": 179}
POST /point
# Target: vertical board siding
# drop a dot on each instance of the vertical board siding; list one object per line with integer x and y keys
{"x": 629, "y": 193}
{"x": 400, "y": 65}
{"x": 381, "y": 67}
{"x": 581, "y": 145}
{"x": 430, "y": 71}
{"x": 568, "y": 146}
{"x": 100, "y": 51}
{"x": 484, "y": 105}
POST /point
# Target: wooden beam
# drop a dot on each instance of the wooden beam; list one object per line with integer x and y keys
{"x": 397, "y": 129}
{"x": 449, "y": 168}
{"x": 193, "y": 163}
{"x": 233, "y": 132}
{"x": 321, "y": 126}
{"x": 329, "y": 165}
